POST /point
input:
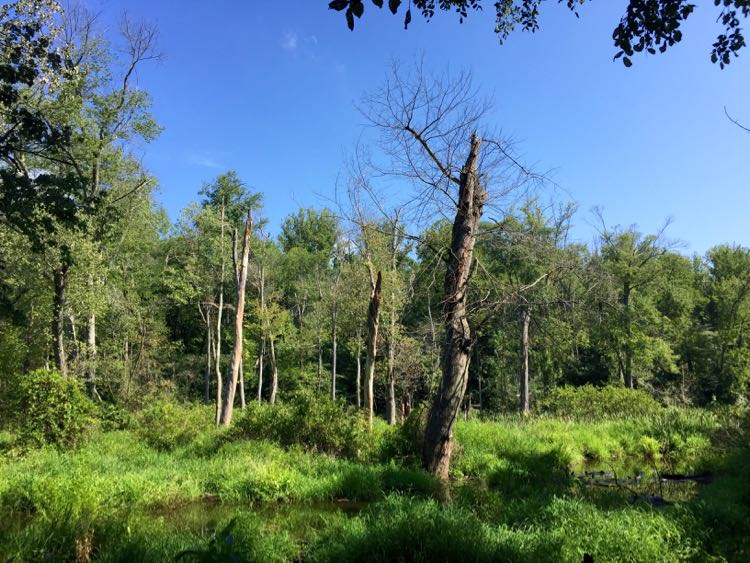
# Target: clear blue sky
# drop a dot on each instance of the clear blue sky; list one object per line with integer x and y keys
{"x": 267, "y": 89}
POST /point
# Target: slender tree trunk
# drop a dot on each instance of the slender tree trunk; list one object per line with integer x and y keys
{"x": 373, "y": 322}
{"x": 274, "y": 372}
{"x": 334, "y": 352}
{"x": 243, "y": 404}
{"x": 391, "y": 407}
{"x": 359, "y": 368}
{"x": 264, "y": 329}
{"x": 217, "y": 354}
{"x": 60, "y": 278}
{"x": 524, "y": 360}
{"x": 628, "y": 371}
{"x": 239, "y": 319}
{"x": 235, "y": 263}
{"x": 319, "y": 335}
{"x": 91, "y": 357}
{"x": 456, "y": 354}
{"x": 320, "y": 360}
{"x": 391, "y": 401}
{"x": 260, "y": 368}
{"x": 209, "y": 345}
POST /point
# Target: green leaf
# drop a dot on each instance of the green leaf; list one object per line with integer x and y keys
{"x": 393, "y": 5}
{"x": 407, "y": 19}
{"x": 378, "y": 3}
{"x": 350, "y": 19}
{"x": 627, "y": 62}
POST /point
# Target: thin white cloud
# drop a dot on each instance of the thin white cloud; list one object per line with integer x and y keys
{"x": 289, "y": 41}
{"x": 203, "y": 160}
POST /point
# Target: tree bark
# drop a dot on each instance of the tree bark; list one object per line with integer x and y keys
{"x": 243, "y": 404}
{"x": 524, "y": 359}
{"x": 628, "y": 371}
{"x": 209, "y": 345}
{"x": 359, "y": 368}
{"x": 261, "y": 354}
{"x": 235, "y": 263}
{"x": 456, "y": 353}
{"x": 239, "y": 319}
{"x": 391, "y": 407}
{"x": 334, "y": 352}
{"x": 274, "y": 372}
{"x": 391, "y": 401}
{"x": 60, "y": 279}
{"x": 217, "y": 354}
{"x": 91, "y": 357}
{"x": 262, "y": 347}
{"x": 373, "y": 322}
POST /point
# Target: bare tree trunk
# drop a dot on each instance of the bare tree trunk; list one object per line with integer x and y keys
{"x": 217, "y": 354}
{"x": 373, "y": 322}
{"x": 392, "y": 373}
{"x": 91, "y": 357}
{"x": 209, "y": 345}
{"x": 456, "y": 354}
{"x": 391, "y": 401}
{"x": 262, "y": 288}
{"x": 524, "y": 358}
{"x": 359, "y": 368}
{"x": 243, "y": 404}
{"x": 274, "y": 372}
{"x": 239, "y": 319}
{"x": 334, "y": 352}
{"x": 60, "y": 279}
{"x": 318, "y": 332}
{"x": 628, "y": 373}
{"x": 260, "y": 368}
{"x": 235, "y": 263}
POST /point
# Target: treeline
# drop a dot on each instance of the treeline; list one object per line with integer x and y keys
{"x": 627, "y": 311}
{"x": 382, "y": 300}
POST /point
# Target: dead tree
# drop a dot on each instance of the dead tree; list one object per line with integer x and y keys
{"x": 239, "y": 317}
{"x": 217, "y": 352}
{"x": 371, "y": 346}
{"x": 430, "y": 138}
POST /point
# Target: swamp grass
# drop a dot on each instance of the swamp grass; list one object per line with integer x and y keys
{"x": 223, "y": 497}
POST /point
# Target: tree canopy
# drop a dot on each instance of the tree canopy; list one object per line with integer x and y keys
{"x": 647, "y": 25}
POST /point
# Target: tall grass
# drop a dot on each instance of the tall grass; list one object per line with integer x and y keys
{"x": 215, "y": 495}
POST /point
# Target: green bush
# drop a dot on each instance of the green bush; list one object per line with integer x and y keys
{"x": 316, "y": 423}
{"x": 404, "y": 441}
{"x": 113, "y": 417}
{"x": 589, "y": 402}
{"x": 166, "y": 425}
{"x": 52, "y": 409}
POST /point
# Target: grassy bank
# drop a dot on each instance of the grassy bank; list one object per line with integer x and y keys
{"x": 222, "y": 494}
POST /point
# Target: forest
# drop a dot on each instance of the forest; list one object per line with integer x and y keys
{"x": 427, "y": 366}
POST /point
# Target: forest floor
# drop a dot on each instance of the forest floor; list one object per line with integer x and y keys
{"x": 536, "y": 489}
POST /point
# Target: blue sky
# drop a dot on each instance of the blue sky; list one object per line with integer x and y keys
{"x": 267, "y": 89}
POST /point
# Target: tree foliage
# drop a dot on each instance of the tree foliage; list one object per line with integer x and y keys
{"x": 647, "y": 26}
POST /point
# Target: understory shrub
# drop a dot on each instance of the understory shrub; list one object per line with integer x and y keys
{"x": 316, "y": 423}
{"x": 52, "y": 409}
{"x": 165, "y": 425}
{"x": 589, "y": 402}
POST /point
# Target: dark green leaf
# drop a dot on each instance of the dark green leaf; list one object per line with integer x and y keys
{"x": 338, "y": 5}
{"x": 407, "y": 19}
{"x": 358, "y": 8}
{"x": 627, "y": 62}
{"x": 350, "y": 19}
{"x": 393, "y": 5}
{"x": 378, "y": 3}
